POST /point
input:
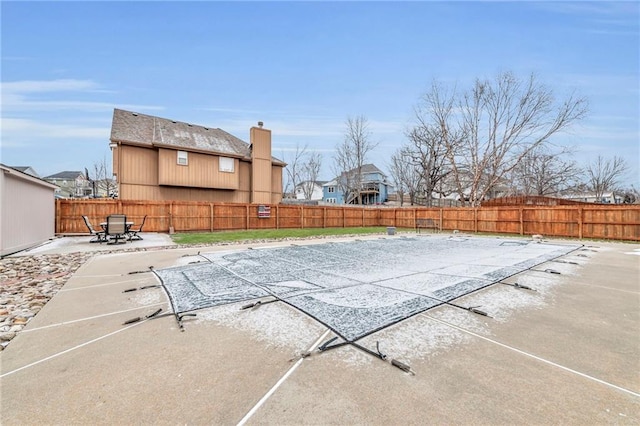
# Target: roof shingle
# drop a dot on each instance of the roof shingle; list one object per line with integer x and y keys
{"x": 148, "y": 130}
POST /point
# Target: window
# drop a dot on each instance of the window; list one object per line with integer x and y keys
{"x": 331, "y": 200}
{"x": 226, "y": 165}
{"x": 183, "y": 159}
{"x": 331, "y": 189}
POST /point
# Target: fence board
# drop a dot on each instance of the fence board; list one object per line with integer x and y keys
{"x": 586, "y": 221}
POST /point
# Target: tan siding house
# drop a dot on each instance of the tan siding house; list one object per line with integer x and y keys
{"x": 159, "y": 159}
{"x": 27, "y": 210}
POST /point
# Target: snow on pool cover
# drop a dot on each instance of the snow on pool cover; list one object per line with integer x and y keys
{"x": 357, "y": 287}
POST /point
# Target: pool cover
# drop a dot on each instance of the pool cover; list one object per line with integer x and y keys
{"x": 357, "y": 287}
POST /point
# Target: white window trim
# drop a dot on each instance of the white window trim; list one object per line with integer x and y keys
{"x": 331, "y": 189}
{"x": 184, "y": 156}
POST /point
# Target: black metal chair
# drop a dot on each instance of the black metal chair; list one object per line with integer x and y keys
{"x": 116, "y": 228}
{"x": 98, "y": 236}
{"x": 133, "y": 232}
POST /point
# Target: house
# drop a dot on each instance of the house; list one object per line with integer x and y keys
{"x": 27, "y": 210}
{"x": 590, "y": 197}
{"x": 71, "y": 184}
{"x": 27, "y": 169}
{"x": 161, "y": 159}
{"x": 373, "y": 187}
{"x": 311, "y": 188}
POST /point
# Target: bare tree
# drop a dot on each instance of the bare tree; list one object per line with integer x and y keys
{"x": 402, "y": 172}
{"x": 488, "y": 129}
{"x": 397, "y": 168}
{"x": 310, "y": 171}
{"x": 351, "y": 155}
{"x": 294, "y": 169}
{"x": 427, "y": 153}
{"x": 604, "y": 175}
{"x": 100, "y": 178}
{"x": 545, "y": 172}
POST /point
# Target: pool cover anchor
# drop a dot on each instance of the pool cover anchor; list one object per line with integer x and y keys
{"x": 516, "y": 285}
{"x": 570, "y": 262}
{"x": 140, "y": 272}
{"x": 129, "y": 290}
{"x": 180, "y": 317}
{"x": 257, "y": 304}
{"x": 137, "y": 319}
{"x": 477, "y": 311}
{"x": 466, "y": 308}
{"x": 398, "y": 364}
{"x": 380, "y": 354}
{"x": 547, "y": 271}
{"x": 323, "y": 347}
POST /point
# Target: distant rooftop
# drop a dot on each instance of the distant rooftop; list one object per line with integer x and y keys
{"x": 65, "y": 175}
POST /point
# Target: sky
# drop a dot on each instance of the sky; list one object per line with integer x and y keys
{"x": 302, "y": 68}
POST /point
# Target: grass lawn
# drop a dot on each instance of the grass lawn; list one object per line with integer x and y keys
{"x": 262, "y": 234}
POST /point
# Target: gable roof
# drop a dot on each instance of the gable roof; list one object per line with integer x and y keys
{"x": 65, "y": 175}
{"x": 26, "y": 176}
{"x": 367, "y": 168}
{"x": 147, "y": 130}
{"x": 315, "y": 182}
{"x": 26, "y": 169}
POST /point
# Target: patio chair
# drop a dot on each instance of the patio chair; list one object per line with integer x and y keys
{"x": 116, "y": 228}
{"x": 133, "y": 232}
{"x": 98, "y": 236}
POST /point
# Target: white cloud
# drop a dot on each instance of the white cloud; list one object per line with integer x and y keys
{"x": 39, "y": 86}
{"x": 25, "y": 129}
{"x": 17, "y": 96}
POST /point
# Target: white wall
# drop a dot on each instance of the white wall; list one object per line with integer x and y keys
{"x": 27, "y": 211}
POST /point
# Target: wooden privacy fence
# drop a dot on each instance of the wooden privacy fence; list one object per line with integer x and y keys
{"x": 616, "y": 222}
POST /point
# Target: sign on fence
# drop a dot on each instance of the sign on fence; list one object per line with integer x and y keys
{"x": 264, "y": 211}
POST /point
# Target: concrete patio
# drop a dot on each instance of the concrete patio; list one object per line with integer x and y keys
{"x": 567, "y": 353}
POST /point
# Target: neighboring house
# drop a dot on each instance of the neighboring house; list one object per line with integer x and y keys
{"x": 27, "y": 169}
{"x": 27, "y": 210}
{"x": 309, "y": 187}
{"x": 373, "y": 188}
{"x": 590, "y": 197}
{"x": 160, "y": 159}
{"x": 72, "y": 184}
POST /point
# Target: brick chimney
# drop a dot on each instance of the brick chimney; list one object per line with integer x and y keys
{"x": 260, "y": 165}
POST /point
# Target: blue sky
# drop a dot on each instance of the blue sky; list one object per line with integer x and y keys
{"x": 302, "y": 68}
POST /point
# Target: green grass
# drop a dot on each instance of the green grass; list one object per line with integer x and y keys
{"x": 263, "y": 234}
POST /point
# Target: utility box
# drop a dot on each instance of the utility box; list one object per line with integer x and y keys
{"x": 391, "y": 230}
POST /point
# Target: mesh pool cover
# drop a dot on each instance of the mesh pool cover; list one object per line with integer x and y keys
{"x": 357, "y": 287}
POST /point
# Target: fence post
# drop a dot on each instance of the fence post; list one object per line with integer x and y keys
{"x": 580, "y": 221}
{"x": 475, "y": 220}
{"x": 343, "y": 217}
{"x": 57, "y": 230}
{"x": 441, "y": 219}
{"x": 521, "y": 221}
{"x": 171, "y": 230}
{"x": 363, "y": 217}
{"x": 301, "y": 217}
{"x": 324, "y": 217}
{"x": 211, "y": 211}
{"x": 277, "y": 216}
{"x": 246, "y": 222}
{"x": 395, "y": 217}
{"x": 415, "y": 219}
